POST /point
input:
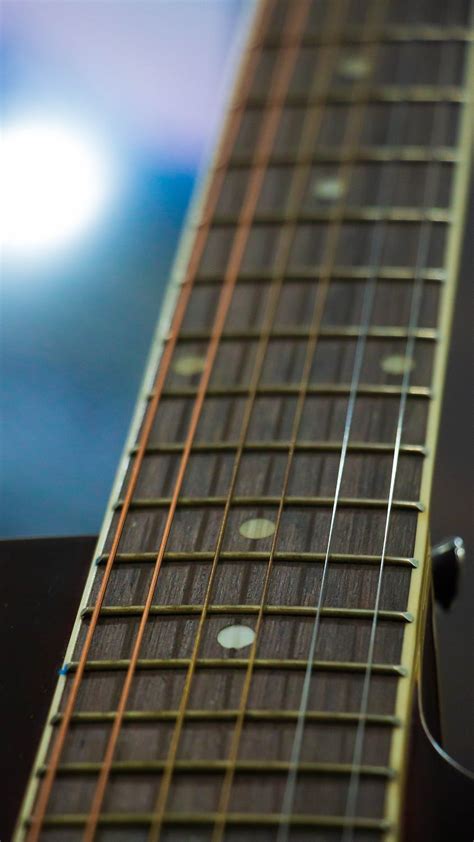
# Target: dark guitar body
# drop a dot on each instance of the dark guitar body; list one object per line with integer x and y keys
{"x": 439, "y": 799}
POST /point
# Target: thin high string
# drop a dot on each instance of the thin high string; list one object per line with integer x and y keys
{"x": 430, "y": 192}
{"x": 377, "y": 240}
{"x": 223, "y": 156}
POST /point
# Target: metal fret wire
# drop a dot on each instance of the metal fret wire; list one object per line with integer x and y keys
{"x": 431, "y": 188}
{"x": 383, "y": 197}
{"x": 36, "y": 820}
{"x": 280, "y": 80}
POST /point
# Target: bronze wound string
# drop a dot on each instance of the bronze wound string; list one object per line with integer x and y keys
{"x": 275, "y": 104}
{"x": 225, "y": 147}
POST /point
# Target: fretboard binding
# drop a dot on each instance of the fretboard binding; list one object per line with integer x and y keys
{"x": 343, "y": 273}
{"x": 425, "y": 334}
{"x": 385, "y": 93}
{"x": 234, "y": 819}
{"x": 288, "y": 389}
{"x": 262, "y": 501}
{"x": 270, "y": 767}
{"x": 284, "y": 557}
{"x": 271, "y": 610}
{"x": 340, "y": 155}
{"x": 284, "y": 446}
{"x": 385, "y": 34}
{"x": 323, "y": 717}
{"x": 290, "y": 664}
{"x": 368, "y": 214}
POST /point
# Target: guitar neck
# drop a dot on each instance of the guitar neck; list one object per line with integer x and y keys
{"x": 243, "y": 661}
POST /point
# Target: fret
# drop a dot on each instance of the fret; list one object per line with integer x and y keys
{"x": 255, "y": 502}
{"x": 387, "y": 34}
{"x": 277, "y": 390}
{"x": 241, "y": 820}
{"x": 279, "y": 610}
{"x": 326, "y": 717}
{"x": 350, "y": 332}
{"x": 347, "y": 273}
{"x": 363, "y": 214}
{"x": 308, "y": 558}
{"x": 373, "y": 154}
{"x": 286, "y": 664}
{"x": 210, "y": 766}
{"x": 273, "y": 445}
{"x": 382, "y": 94}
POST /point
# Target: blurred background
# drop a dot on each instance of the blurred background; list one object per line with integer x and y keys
{"x": 109, "y": 110}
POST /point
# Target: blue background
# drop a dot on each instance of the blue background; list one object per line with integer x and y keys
{"x": 150, "y": 79}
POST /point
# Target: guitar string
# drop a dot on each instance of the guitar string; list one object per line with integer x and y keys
{"x": 258, "y": 365}
{"x": 367, "y": 308}
{"x": 424, "y": 242}
{"x": 237, "y": 250}
{"x": 310, "y": 130}
{"x": 226, "y": 144}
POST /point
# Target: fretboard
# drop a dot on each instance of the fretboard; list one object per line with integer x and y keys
{"x": 243, "y": 662}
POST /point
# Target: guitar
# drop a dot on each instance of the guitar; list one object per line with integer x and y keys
{"x": 253, "y": 656}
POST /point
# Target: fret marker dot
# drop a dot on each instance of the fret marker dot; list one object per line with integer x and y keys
{"x": 256, "y": 528}
{"x": 354, "y": 67}
{"x": 397, "y": 365}
{"x": 328, "y": 189}
{"x": 189, "y": 365}
{"x": 236, "y": 637}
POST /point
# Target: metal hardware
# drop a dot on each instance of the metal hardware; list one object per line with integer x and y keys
{"x": 447, "y": 559}
{"x": 255, "y": 556}
{"x": 270, "y": 610}
{"x": 293, "y": 664}
{"x": 320, "y": 502}
{"x": 339, "y": 155}
{"x": 280, "y": 445}
{"x": 342, "y": 273}
{"x": 258, "y": 767}
{"x": 288, "y": 389}
{"x": 229, "y": 715}
{"x": 234, "y": 819}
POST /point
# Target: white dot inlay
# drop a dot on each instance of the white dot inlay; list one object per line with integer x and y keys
{"x": 328, "y": 189}
{"x": 354, "y": 67}
{"x": 189, "y": 365}
{"x": 397, "y": 364}
{"x": 256, "y": 528}
{"x": 236, "y": 637}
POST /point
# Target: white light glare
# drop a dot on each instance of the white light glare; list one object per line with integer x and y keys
{"x": 54, "y": 180}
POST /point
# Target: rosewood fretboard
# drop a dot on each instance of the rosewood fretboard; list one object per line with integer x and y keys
{"x": 244, "y": 659}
